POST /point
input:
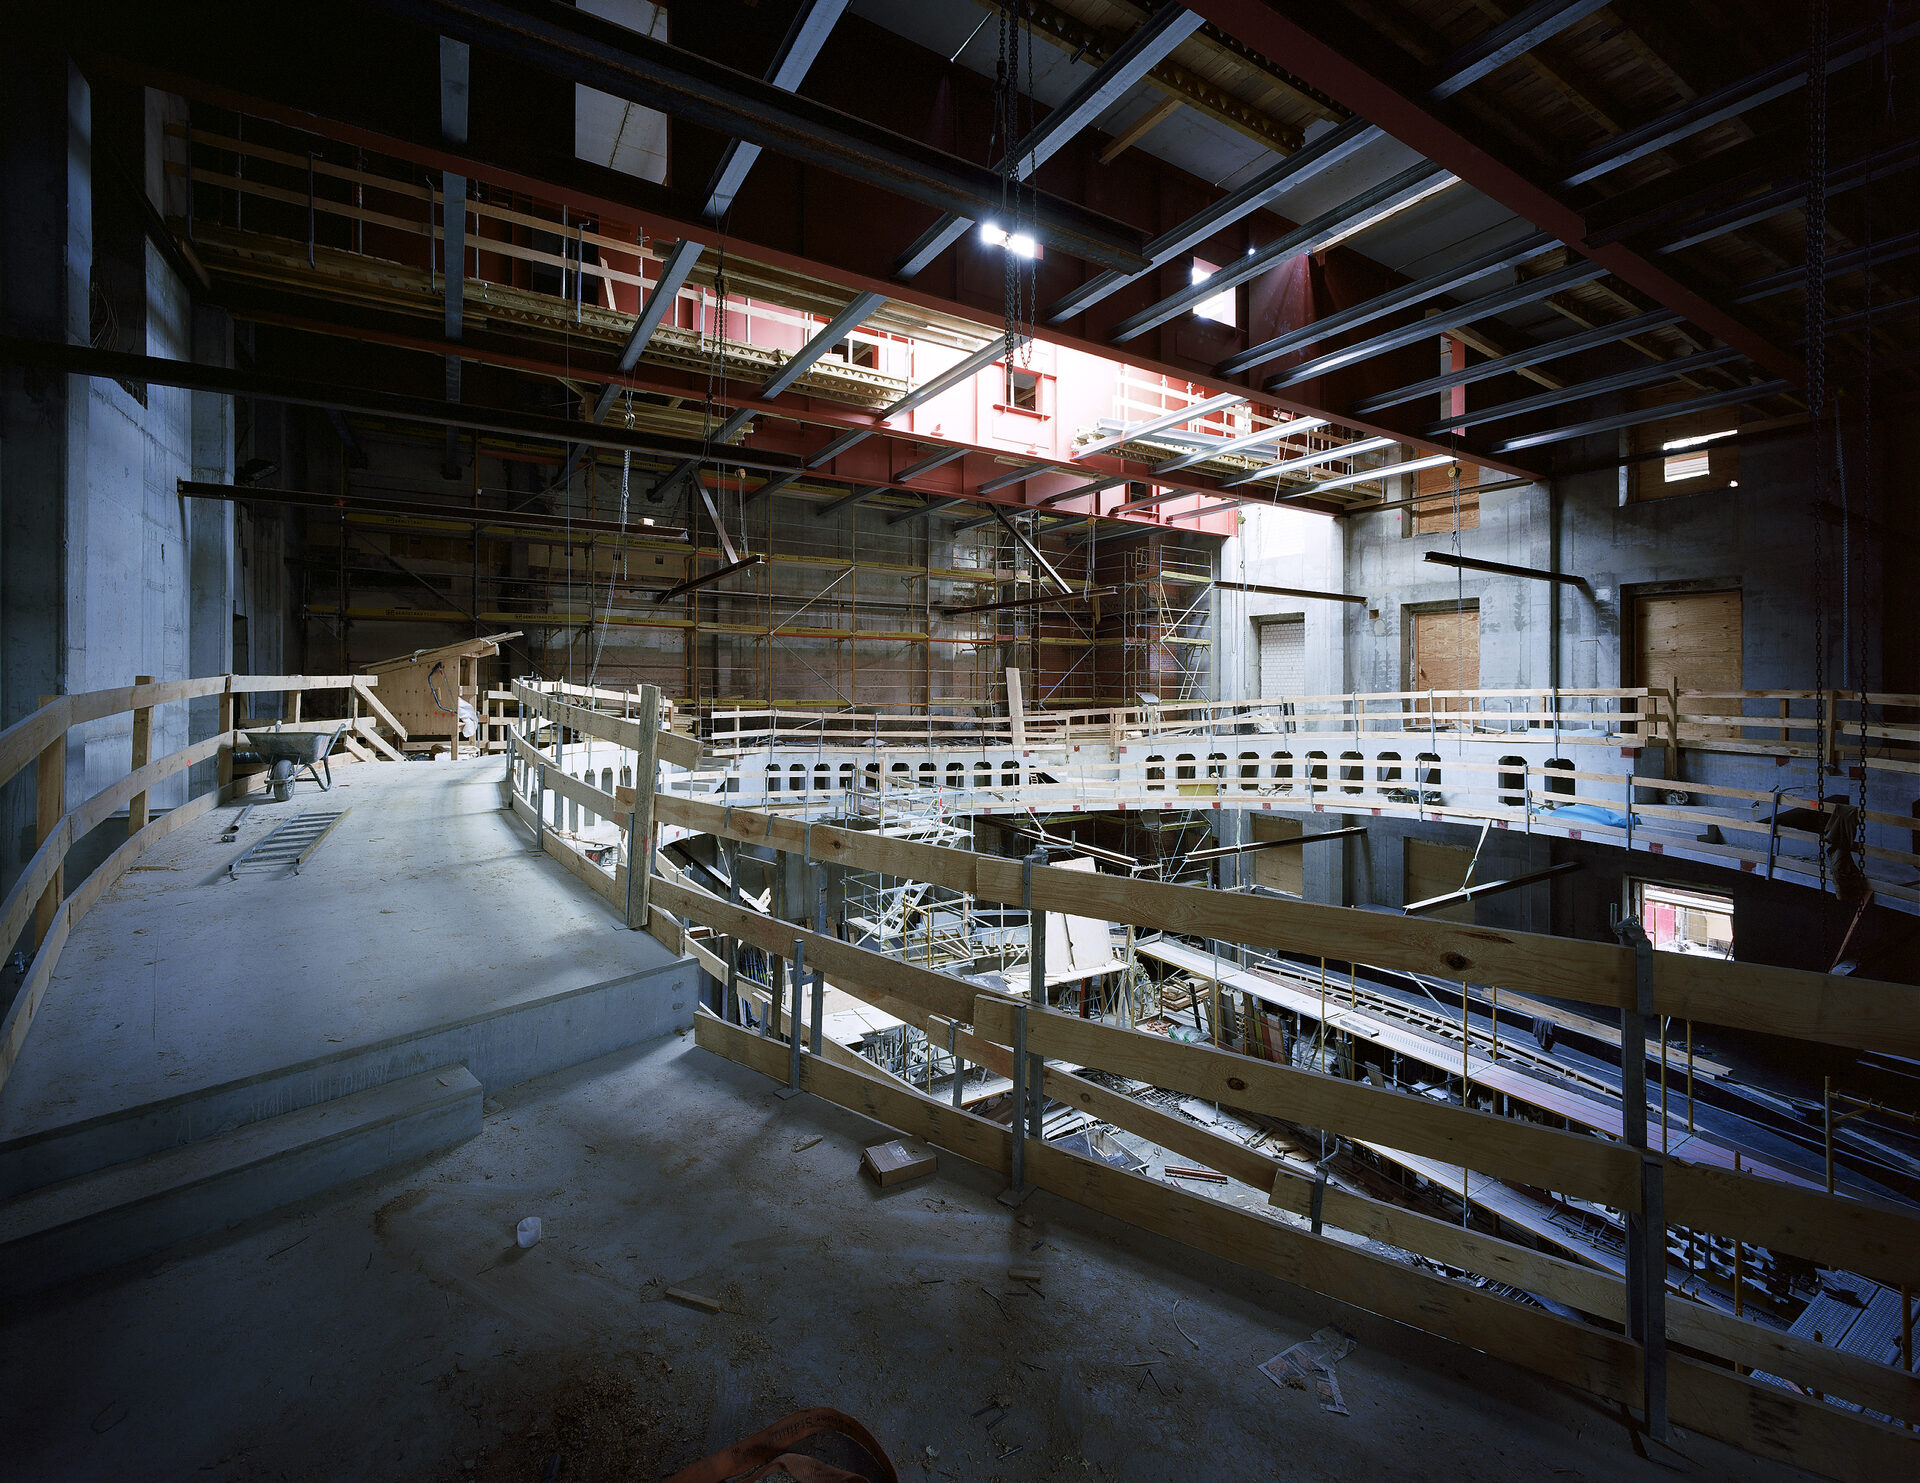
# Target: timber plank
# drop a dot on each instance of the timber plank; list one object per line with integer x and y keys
{"x": 1525, "y": 1152}
{"x": 1864, "y": 1014}
{"x": 1762, "y": 1419}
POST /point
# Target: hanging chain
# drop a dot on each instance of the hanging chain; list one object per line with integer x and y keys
{"x": 1815, "y": 214}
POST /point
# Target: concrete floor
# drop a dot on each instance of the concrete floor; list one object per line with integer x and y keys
{"x": 391, "y": 1331}
{"x": 423, "y": 906}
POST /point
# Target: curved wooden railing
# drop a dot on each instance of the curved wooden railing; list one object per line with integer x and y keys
{"x": 1707, "y": 1383}
{"x": 41, "y": 890}
{"x": 1708, "y": 1388}
{"x": 1518, "y": 758}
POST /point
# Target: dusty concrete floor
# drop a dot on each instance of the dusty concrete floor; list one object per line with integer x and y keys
{"x": 423, "y": 906}
{"x": 390, "y": 1331}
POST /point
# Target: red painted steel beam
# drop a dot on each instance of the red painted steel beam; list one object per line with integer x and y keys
{"x": 1330, "y": 48}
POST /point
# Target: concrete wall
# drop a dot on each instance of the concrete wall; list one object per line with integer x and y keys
{"x": 106, "y": 573}
{"x": 1756, "y": 537}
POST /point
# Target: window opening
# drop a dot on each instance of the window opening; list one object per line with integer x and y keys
{"x": 1681, "y": 919}
{"x": 1221, "y": 307}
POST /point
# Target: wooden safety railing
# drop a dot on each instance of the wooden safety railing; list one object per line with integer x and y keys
{"x": 1786, "y": 723}
{"x": 1707, "y": 1387}
{"x": 41, "y": 889}
{"x": 533, "y": 775}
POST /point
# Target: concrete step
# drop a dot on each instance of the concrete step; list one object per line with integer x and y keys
{"x": 501, "y": 1047}
{"x": 128, "y": 1210}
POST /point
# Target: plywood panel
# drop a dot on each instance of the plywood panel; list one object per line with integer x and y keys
{"x": 1690, "y": 639}
{"x": 1434, "y": 870}
{"x": 1435, "y": 516}
{"x": 1445, "y": 655}
{"x": 1281, "y": 869}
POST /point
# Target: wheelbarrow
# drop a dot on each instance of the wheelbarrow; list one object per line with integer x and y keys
{"x": 287, "y": 753}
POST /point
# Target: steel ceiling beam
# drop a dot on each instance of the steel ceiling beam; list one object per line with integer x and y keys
{"x": 1604, "y": 334}
{"x": 1334, "y": 51}
{"x": 1305, "y": 461}
{"x": 1502, "y": 568}
{"x": 1647, "y": 375}
{"x": 674, "y": 269}
{"x": 823, "y": 340}
{"x": 1498, "y": 45}
{"x": 812, "y": 24}
{"x": 956, "y": 375}
{"x": 548, "y": 525}
{"x": 1527, "y": 291}
{"x": 1303, "y": 164}
{"x": 1018, "y": 476}
{"x": 1381, "y": 305}
{"x": 1138, "y": 55}
{"x": 582, "y": 48}
{"x": 1707, "y": 403}
{"x": 1388, "y": 195}
{"x": 1166, "y": 420}
{"x": 847, "y": 500}
{"x": 1096, "y": 486}
{"x": 82, "y": 360}
{"x": 939, "y": 458}
{"x": 802, "y": 360}
{"x": 1222, "y": 447}
{"x": 1296, "y": 169}
{"x": 928, "y": 508}
{"x": 1361, "y": 476}
{"x": 1738, "y": 97}
{"x": 1873, "y": 255}
{"x": 1853, "y": 174}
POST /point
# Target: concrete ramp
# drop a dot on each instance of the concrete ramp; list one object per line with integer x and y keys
{"x": 113, "y": 1215}
{"x": 210, "y": 1048}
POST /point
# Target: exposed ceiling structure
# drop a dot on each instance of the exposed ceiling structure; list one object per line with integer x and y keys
{"x": 1442, "y": 232}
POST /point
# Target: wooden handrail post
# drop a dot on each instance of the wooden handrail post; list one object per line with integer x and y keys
{"x": 50, "y": 801}
{"x": 225, "y": 773}
{"x": 640, "y": 832}
{"x": 142, "y": 755}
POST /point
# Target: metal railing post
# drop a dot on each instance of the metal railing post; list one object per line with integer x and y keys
{"x": 792, "y": 1088}
{"x": 1647, "y": 1227}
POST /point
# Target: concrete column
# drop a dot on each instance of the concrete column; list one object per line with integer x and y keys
{"x": 210, "y": 535}
{"x": 46, "y": 253}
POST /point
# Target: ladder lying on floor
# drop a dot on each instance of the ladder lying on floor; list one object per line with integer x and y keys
{"x": 292, "y": 843}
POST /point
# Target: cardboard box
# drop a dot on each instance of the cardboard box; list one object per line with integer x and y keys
{"x": 898, "y": 1161}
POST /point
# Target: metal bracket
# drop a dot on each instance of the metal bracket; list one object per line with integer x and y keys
{"x": 792, "y": 1088}
{"x": 1646, "y": 1228}
{"x": 1320, "y": 1187}
{"x": 1017, "y": 1192}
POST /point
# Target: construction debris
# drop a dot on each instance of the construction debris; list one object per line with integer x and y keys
{"x": 1312, "y": 1361}
{"x": 898, "y": 1161}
